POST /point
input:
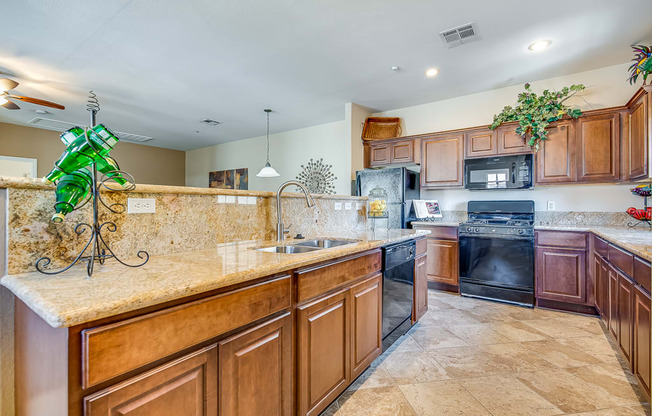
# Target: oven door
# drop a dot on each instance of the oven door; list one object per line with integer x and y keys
{"x": 502, "y": 261}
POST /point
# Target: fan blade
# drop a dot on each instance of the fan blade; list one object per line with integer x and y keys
{"x": 37, "y": 101}
{"x": 7, "y": 84}
{"x": 10, "y": 106}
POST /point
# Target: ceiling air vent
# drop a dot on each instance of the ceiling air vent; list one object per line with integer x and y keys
{"x": 210, "y": 122}
{"x": 459, "y": 35}
{"x": 59, "y": 125}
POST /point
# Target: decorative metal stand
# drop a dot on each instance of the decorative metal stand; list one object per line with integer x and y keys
{"x": 643, "y": 221}
{"x": 99, "y": 249}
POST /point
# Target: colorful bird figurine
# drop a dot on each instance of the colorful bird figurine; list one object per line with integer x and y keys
{"x": 642, "y": 63}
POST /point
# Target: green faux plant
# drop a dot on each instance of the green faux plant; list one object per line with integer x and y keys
{"x": 535, "y": 112}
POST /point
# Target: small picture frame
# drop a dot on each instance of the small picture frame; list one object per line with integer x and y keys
{"x": 427, "y": 208}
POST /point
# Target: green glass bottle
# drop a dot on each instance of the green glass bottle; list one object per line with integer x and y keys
{"x": 71, "y": 190}
{"x": 81, "y": 152}
{"x": 108, "y": 166}
{"x": 71, "y": 135}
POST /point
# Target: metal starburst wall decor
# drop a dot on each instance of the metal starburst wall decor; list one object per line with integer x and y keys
{"x": 317, "y": 177}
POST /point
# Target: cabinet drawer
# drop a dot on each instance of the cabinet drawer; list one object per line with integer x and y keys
{"x": 439, "y": 233}
{"x": 561, "y": 239}
{"x": 600, "y": 246}
{"x": 642, "y": 273}
{"x": 111, "y": 350}
{"x": 622, "y": 259}
{"x": 315, "y": 281}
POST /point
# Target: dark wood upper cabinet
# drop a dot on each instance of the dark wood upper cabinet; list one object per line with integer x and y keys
{"x": 480, "y": 143}
{"x": 402, "y": 152}
{"x": 187, "y": 386}
{"x": 642, "y": 322}
{"x": 379, "y": 154}
{"x": 366, "y": 324}
{"x": 561, "y": 274}
{"x": 420, "y": 288}
{"x": 323, "y": 351}
{"x": 598, "y": 148}
{"x": 255, "y": 370}
{"x": 509, "y": 142}
{"x": 442, "y": 161}
{"x": 639, "y": 128}
{"x": 555, "y": 160}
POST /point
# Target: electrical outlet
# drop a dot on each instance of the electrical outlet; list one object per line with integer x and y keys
{"x": 242, "y": 200}
{"x": 221, "y": 199}
{"x": 358, "y": 206}
{"x": 230, "y": 199}
{"x": 141, "y": 205}
{"x": 251, "y": 200}
{"x": 551, "y": 205}
{"x": 348, "y": 206}
{"x": 338, "y": 206}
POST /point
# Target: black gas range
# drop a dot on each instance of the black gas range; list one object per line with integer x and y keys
{"x": 497, "y": 251}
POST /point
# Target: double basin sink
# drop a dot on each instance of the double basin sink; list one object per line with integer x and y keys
{"x": 306, "y": 246}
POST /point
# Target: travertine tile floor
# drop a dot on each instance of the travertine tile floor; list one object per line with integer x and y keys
{"x": 475, "y": 357}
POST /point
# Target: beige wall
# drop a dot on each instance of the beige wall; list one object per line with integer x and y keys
{"x": 606, "y": 87}
{"x": 151, "y": 165}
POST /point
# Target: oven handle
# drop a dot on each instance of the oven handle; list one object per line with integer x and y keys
{"x": 500, "y": 237}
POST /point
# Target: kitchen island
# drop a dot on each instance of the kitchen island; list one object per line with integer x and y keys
{"x": 230, "y": 330}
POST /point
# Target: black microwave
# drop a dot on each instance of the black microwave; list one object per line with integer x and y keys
{"x": 500, "y": 172}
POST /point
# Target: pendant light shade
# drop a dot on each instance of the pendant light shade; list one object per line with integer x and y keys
{"x": 267, "y": 171}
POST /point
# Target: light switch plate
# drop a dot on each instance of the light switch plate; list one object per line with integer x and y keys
{"x": 221, "y": 199}
{"x": 242, "y": 200}
{"x": 251, "y": 200}
{"x": 551, "y": 205}
{"x": 348, "y": 206}
{"x": 230, "y": 199}
{"x": 141, "y": 205}
{"x": 338, "y": 206}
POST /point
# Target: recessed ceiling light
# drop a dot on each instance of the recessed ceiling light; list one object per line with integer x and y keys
{"x": 540, "y": 45}
{"x": 395, "y": 68}
{"x": 432, "y": 72}
{"x": 40, "y": 112}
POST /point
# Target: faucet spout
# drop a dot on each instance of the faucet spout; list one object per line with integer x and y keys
{"x": 280, "y": 228}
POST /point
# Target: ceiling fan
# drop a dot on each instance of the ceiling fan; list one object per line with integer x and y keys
{"x": 7, "y": 84}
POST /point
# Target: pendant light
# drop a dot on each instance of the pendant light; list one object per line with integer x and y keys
{"x": 267, "y": 171}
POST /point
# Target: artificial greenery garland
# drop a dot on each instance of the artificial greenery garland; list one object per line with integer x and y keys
{"x": 535, "y": 112}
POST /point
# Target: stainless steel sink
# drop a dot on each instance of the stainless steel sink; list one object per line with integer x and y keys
{"x": 288, "y": 249}
{"x": 324, "y": 243}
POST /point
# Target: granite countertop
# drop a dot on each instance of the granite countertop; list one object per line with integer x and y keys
{"x": 71, "y": 298}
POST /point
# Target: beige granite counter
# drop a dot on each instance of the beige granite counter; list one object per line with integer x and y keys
{"x": 71, "y": 298}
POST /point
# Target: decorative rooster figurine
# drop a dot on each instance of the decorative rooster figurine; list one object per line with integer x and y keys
{"x": 642, "y": 63}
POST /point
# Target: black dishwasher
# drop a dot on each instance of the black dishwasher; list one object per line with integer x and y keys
{"x": 398, "y": 286}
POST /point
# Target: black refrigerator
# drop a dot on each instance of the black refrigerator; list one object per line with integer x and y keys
{"x": 402, "y": 186}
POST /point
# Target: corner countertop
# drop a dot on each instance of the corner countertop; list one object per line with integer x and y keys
{"x": 71, "y": 298}
{"x": 635, "y": 240}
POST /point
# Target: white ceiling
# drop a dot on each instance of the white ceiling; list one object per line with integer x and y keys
{"x": 159, "y": 66}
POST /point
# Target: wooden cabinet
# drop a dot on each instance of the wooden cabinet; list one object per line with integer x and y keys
{"x": 379, "y": 154}
{"x": 598, "y": 148}
{"x": 186, "y": 386}
{"x": 561, "y": 274}
{"x": 642, "y": 322}
{"x": 625, "y": 301}
{"x": 402, "y": 151}
{"x": 613, "y": 301}
{"x": 480, "y": 143}
{"x": 442, "y": 161}
{"x": 555, "y": 161}
{"x": 366, "y": 323}
{"x": 509, "y": 142}
{"x": 420, "y": 287}
{"x": 443, "y": 261}
{"x": 323, "y": 348}
{"x": 255, "y": 370}
{"x": 602, "y": 286}
{"x": 639, "y": 127}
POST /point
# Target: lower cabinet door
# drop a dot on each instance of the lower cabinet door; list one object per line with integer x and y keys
{"x": 367, "y": 329}
{"x": 324, "y": 363}
{"x": 184, "y": 387}
{"x": 642, "y": 321}
{"x": 255, "y": 370}
{"x": 625, "y": 318}
{"x": 613, "y": 302}
{"x": 561, "y": 274}
{"x": 443, "y": 261}
{"x": 597, "y": 278}
{"x": 603, "y": 275}
{"x": 420, "y": 288}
